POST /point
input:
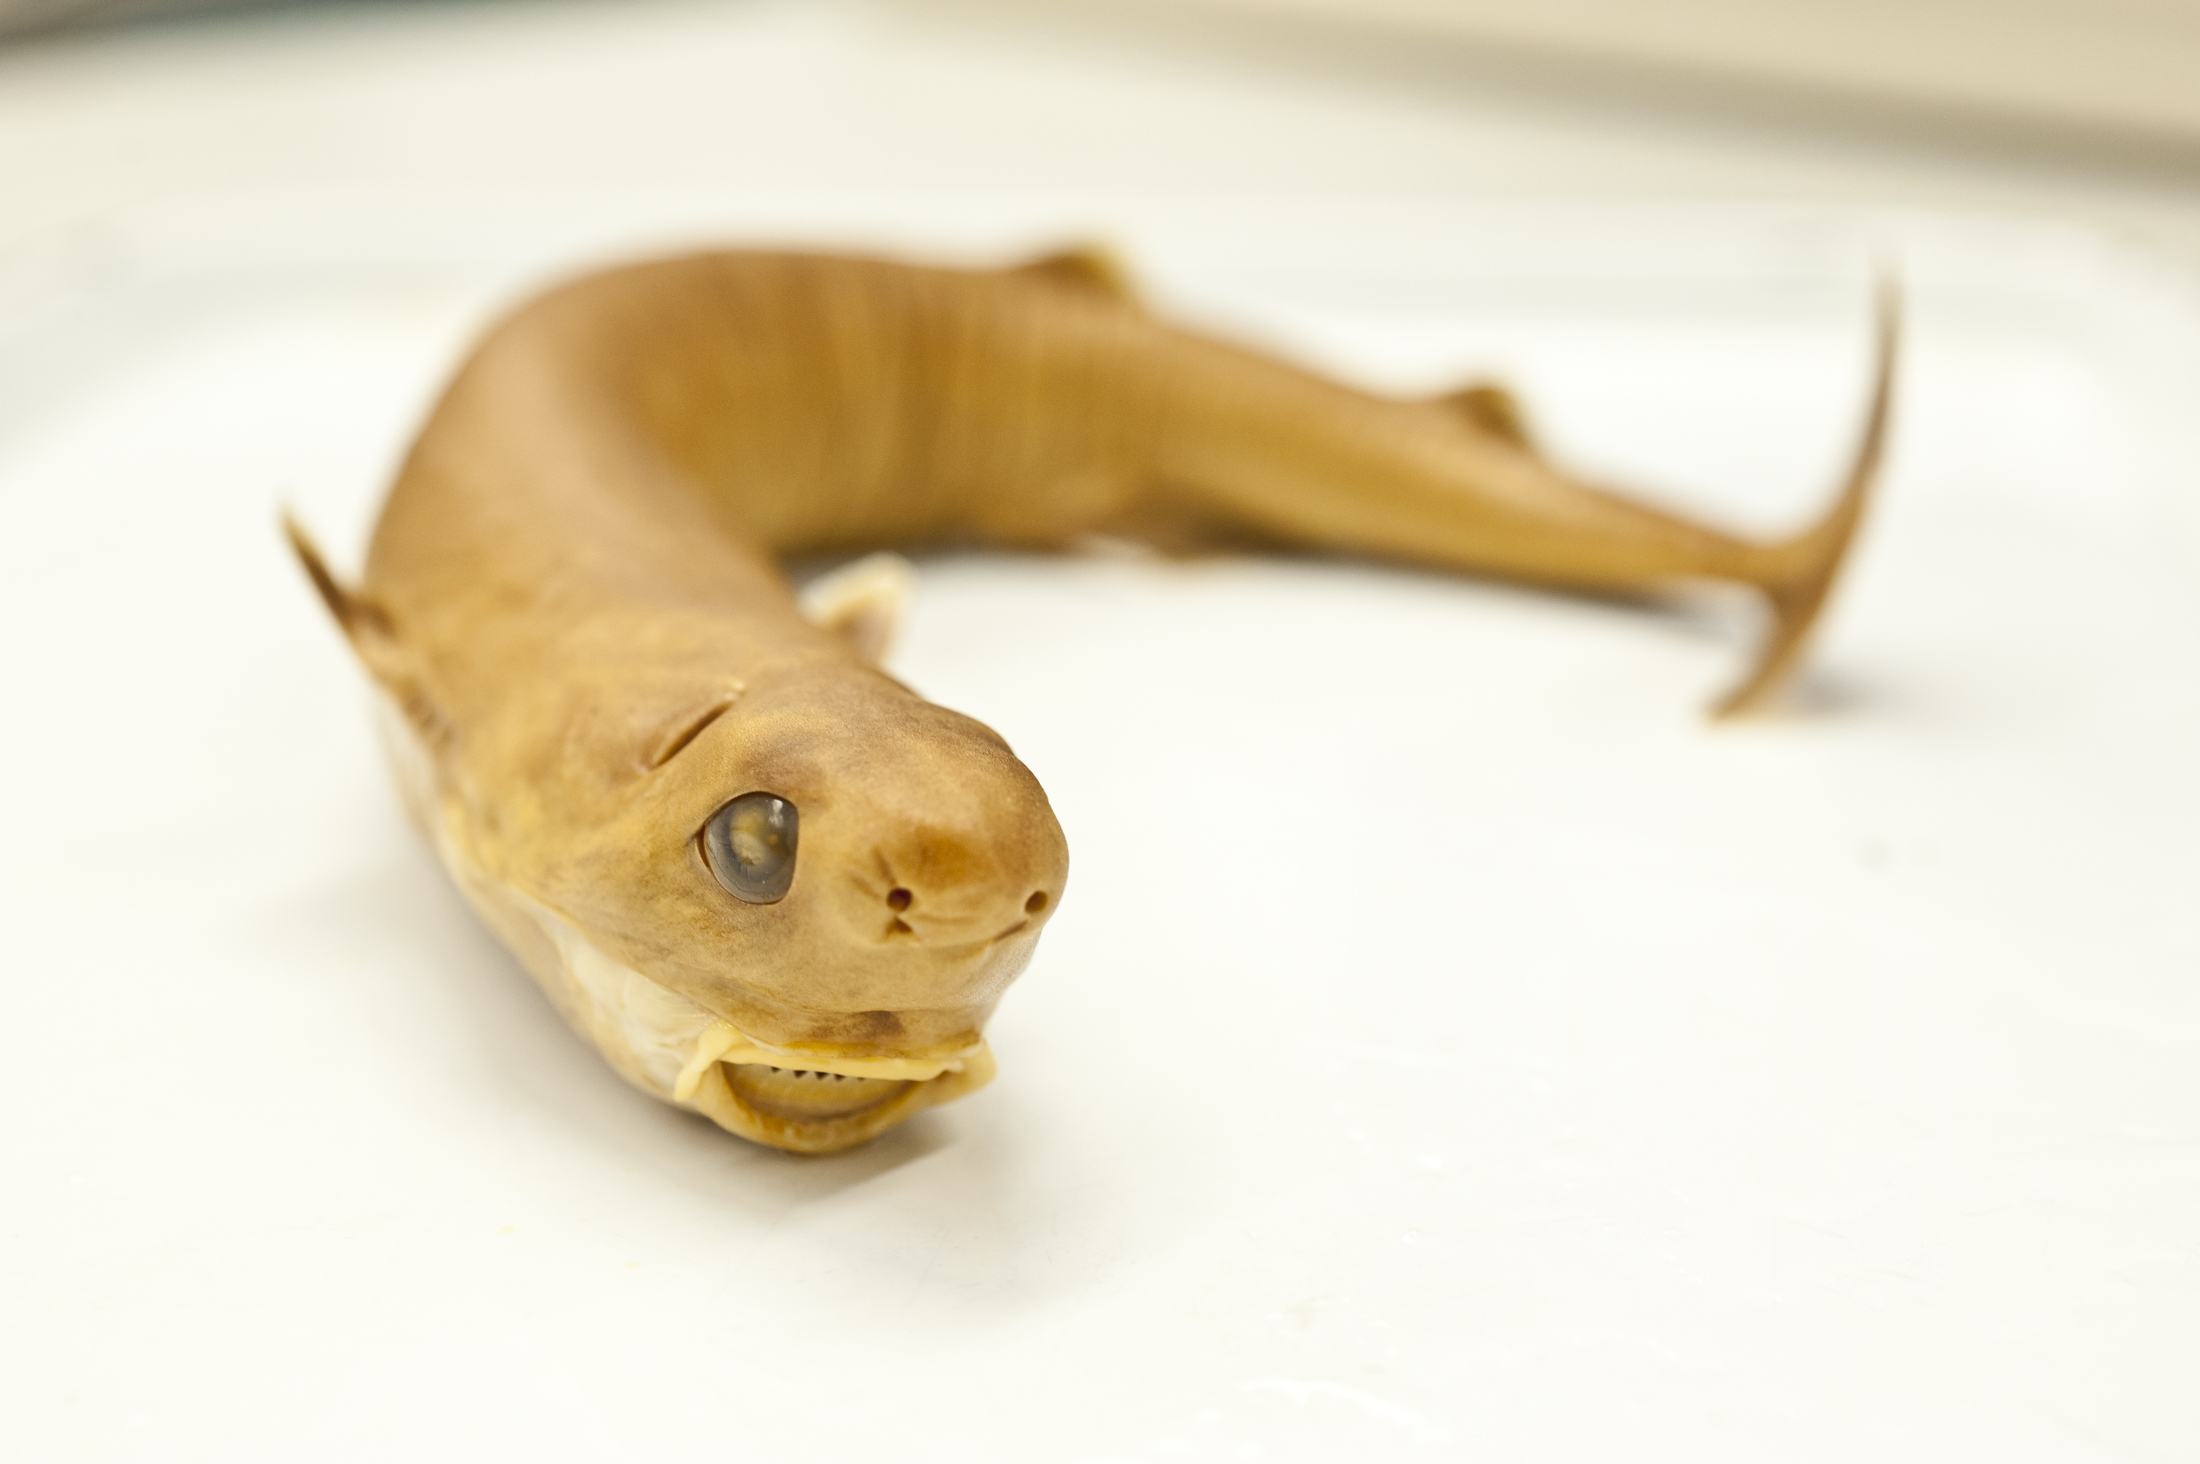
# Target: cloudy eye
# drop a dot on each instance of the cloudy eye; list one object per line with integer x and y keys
{"x": 750, "y": 846}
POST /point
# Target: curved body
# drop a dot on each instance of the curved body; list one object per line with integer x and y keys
{"x": 572, "y": 605}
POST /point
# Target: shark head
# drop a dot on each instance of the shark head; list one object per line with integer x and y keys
{"x": 790, "y": 907}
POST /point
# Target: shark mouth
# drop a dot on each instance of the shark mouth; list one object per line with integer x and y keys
{"x": 818, "y": 1102}
{"x": 811, "y": 1099}
{"x": 805, "y": 1094}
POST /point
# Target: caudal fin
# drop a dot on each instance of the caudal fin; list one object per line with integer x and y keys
{"x": 1799, "y": 574}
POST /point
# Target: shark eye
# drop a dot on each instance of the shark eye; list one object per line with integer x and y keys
{"x": 749, "y": 845}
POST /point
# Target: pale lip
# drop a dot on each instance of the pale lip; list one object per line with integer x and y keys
{"x": 785, "y": 1096}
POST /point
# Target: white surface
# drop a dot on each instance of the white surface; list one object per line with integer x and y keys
{"x": 1600, "y": 1086}
{"x": 2074, "y": 64}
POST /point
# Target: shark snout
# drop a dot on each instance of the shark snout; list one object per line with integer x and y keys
{"x": 940, "y": 889}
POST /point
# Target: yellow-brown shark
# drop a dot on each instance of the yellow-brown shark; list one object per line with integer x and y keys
{"x": 771, "y": 883}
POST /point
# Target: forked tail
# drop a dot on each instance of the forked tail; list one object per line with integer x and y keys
{"x": 1798, "y": 575}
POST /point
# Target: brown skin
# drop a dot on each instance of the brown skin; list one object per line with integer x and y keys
{"x": 572, "y": 595}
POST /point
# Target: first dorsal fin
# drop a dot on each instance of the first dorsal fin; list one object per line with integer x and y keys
{"x": 1493, "y": 409}
{"x": 1090, "y": 267}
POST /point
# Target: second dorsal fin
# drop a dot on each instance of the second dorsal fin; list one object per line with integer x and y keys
{"x": 1090, "y": 267}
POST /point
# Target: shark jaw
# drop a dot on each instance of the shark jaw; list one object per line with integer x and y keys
{"x": 814, "y": 1100}
{"x": 665, "y": 1044}
{"x": 806, "y": 1099}
{"x": 810, "y": 1098}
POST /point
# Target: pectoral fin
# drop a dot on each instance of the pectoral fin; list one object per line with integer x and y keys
{"x": 862, "y": 602}
{"x": 373, "y": 636}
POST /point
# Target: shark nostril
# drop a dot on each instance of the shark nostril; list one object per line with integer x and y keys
{"x": 1036, "y": 903}
{"x": 898, "y": 899}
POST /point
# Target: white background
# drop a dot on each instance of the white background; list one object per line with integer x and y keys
{"x": 1451, "y": 1046}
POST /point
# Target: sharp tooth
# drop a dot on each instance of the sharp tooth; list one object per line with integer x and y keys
{"x": 723, "y": 1042}
{"x": 800, "y": 1093}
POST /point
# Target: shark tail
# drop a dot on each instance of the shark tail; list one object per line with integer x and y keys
{"x": 1797, "y": 576}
